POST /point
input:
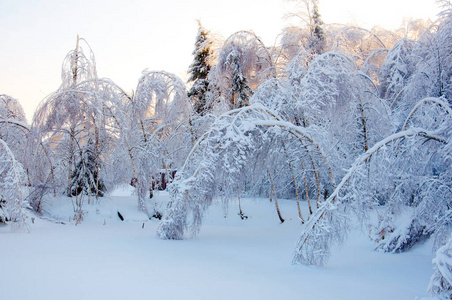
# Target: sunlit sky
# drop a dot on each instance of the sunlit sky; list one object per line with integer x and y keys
{"x": 130, "y": 36}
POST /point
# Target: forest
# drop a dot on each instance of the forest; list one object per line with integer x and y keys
{"x": 354, "y": 124}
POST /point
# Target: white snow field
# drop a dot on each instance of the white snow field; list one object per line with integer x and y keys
{"x": 105, "y": 258}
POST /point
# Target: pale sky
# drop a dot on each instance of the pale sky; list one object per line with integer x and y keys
{"x": 128, "y": 36}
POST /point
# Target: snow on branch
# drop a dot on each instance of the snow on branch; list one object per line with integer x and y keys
{"x": 18, "y": 123}
{"x": 12, "y": 179}
{"x": 327, "y": 224}
{"x": 217, "y": 162}
{"x": 441, "y": 281}
{"x": 438, "y": 101}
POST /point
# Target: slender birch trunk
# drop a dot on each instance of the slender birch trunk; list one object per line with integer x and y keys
{"x": 274, "y": 195}
{"x": 296, "y": 193}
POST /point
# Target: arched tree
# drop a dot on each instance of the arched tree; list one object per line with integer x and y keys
{"x": 12, "y": 124}
{"x": 218, "y": 164}
{"x": 334, "y": 95}
{"x": 77, "y": 113}
{"x": 12, "y": 195}
{"x": 366, "y": 47}
{"x": 416, "y": 189}
{"x": 161, "y": 114}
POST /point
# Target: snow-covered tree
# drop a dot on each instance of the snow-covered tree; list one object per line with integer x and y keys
{"x": 308, "y": 12}
{"x": 317, "y": 41}
{"x": 3, "y": 213}
{"x": 60, "y": 119}
{"x": 81, "y": 110}
{"x": 413, "y": 29}
{"x": 366, "y": 47}
{"x": 161, "y": 114}
{"x": 12, "y": 189}
{"x": 396, "y": 70}
{"x": 13, "y": 126}
{"x": 218, "y": 164}
{"x": 293, "y": 41}
{"x": 336, "y": 96}
{"x": 243, "y": 64}
{"x": 420, "y": 189}
{"x": 22, "y": 142}
{"x": 432, "y": 75}
{"x": 415, "y": 193}
{"x": 441, "y": 281}
{"x": 85, "y": 178}
{"x": 199, "y": 70}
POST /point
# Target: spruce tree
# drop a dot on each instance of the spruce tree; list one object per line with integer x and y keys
{"x": 241, "y": 91}
{"x": 3, "y": 213}
{"x": 317, "y": 42}
{"x": 85, "y": 177}
{"x": 199, "y": 70}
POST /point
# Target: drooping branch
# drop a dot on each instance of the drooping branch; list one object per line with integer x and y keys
{"x": 237, "y": 128}
{"x": 27, "y": 129}
{"x": 369, "y": 32}
{"x": 303, "y": 257}
{"x": 18, "y": 123}
{"x": 253, "y": 37}
{"x": 437, "y": 101}
{"x": 11, "y": 187}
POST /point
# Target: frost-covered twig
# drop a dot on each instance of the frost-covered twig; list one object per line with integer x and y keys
{"x": 308, "y": 240}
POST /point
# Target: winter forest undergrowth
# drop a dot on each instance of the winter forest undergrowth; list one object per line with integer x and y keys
{"x": 349, "y": 128}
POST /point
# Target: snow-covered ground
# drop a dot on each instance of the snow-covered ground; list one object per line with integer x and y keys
{"x": 104, "y": 258}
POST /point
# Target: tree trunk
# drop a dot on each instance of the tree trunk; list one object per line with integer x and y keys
{"x": 71, "y": 162}
{"x": 274, "y": 195}
{"x": 306, "y": 184}
{"x": 363, "y": 123}
{"x": 241, "y": 214}
{"x": 296, "y": 193}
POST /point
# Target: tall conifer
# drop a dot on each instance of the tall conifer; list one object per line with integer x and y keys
{"x": 199, "y": 70}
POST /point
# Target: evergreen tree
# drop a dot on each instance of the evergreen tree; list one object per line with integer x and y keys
{"x": 199, "y": 70}
{"x": 317, "y": 42}
{"x": 241, "y": 91}
{"x": 3, "y": 213}
{"x": 85, "y": 177}
{"x": 311, "y": 37}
